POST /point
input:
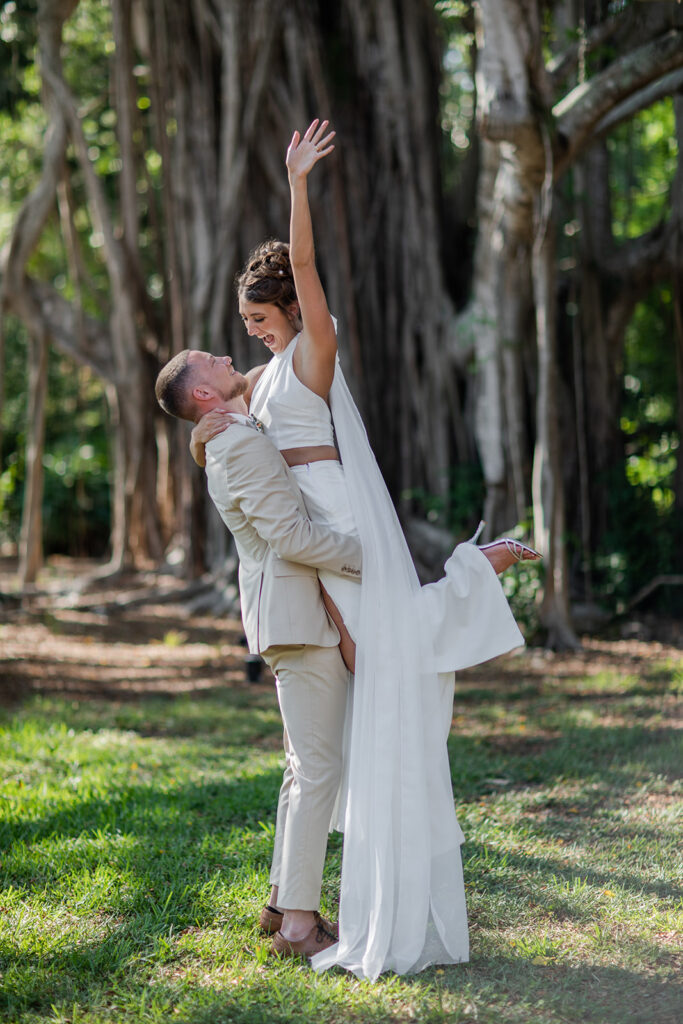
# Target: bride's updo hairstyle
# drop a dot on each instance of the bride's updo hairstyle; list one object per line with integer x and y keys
{"x": 267, "y": 277}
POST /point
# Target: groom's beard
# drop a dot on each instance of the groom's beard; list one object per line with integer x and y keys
{"x": 238, "y": 388}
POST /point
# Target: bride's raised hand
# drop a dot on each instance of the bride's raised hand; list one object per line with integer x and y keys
{"x": 212, "y": 423}
{"x": 304, "y": 152}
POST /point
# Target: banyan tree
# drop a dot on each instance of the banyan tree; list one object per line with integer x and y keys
{"x": 202, "y": 98}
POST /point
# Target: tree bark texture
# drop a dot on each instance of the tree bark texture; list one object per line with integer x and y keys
{"x": 31, "y": 536}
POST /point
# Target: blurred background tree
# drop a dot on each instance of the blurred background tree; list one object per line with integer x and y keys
{"x": 498, "y": 231}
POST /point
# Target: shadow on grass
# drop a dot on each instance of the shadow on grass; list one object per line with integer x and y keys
{"x": 590, "y": 752}
{"x": 178, "y": 818}
{"x": 487, "y": 990}
{"x": 589, "y": 993}
{"x": 654, "y": 684}
{"x": 231, "y": 714}
{"x": 78, "y": 681}
{"x": 179, "y": 860}
{"x": 491, "y": 870}
{"x": 139, "y": 625}
{"x": 143, "y": 665}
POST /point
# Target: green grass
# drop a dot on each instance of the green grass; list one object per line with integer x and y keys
{"x": 135, "y": 841}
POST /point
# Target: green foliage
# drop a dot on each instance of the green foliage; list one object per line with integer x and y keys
{"x": 76, "y": 462}
{"x": 12, "y": 420}
{"x": 76, "y": 504}
{"x": 643, "y": 157}
{"x": 650, "y": 396}
{"x": 76, "y": 500}
{"x": 17, "y": 47}
{"x": 523, "y": 587}
{"x": 457, "y": 87}
{"x": 77, "y": 457}
{"x": 87, "y": 40}
{"x": 637, "y": 544}
{"x": 88, "y": 67}
{"x": 643, "y": 537}
{"x": 460, "y": 509}
{"x": 21, "y": 128}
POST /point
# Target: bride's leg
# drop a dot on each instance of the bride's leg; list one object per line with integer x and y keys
{"x": 346, "y": 645}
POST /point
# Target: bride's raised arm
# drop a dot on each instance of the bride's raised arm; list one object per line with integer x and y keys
{"x": 314, "y": 359}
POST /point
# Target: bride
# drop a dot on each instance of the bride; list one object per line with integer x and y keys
{"x": 402, "y": 904}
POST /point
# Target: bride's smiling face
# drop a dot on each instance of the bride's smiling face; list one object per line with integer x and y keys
{"x": 269, "y": 323}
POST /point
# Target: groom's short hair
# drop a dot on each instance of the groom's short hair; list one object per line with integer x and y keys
{"x": 173, "y": 386}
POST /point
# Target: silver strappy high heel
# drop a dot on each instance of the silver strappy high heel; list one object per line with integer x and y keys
{"x": 519, "y": 551}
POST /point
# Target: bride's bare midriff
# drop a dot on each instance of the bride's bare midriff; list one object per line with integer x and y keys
{"x": 315, "y": 453}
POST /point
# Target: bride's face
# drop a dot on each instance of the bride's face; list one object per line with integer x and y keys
{"x": 269, "y": 323}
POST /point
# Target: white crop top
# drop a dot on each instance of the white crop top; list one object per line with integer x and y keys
{"x": 292, "y": 415}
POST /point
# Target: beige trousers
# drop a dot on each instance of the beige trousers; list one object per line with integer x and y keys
{"x": 312, "y": 685}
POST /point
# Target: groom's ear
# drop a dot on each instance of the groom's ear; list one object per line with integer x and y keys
{"x": 202, "y": 392}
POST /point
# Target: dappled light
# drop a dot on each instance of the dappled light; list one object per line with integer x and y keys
{"x": 141, "y": 772}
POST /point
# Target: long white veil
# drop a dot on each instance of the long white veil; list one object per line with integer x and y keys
{"x": 402, "y": 903}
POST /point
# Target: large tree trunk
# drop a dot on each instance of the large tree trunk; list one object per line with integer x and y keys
{"x": 516, "y": 271}
{"x": 548, "y": 490}
{"x": 595, "y": 364}
{"x": 513, "y": 168}
{"x": 31, "y": 536}
{"x": 498, "y": 312}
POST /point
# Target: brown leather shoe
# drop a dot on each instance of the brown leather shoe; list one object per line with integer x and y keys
{"x": 322, "y": 935}
{"x": 270, "y": 920}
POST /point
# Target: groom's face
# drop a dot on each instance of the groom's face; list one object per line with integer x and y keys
{"x": 218, "y": 374}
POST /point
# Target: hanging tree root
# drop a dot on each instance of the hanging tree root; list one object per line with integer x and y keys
{"x": 663, "y": 580}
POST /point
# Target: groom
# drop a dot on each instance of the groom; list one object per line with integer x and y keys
{"x": 284, "y": 620}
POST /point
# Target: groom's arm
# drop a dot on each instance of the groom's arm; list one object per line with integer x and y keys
{"x": 258, "y": 481}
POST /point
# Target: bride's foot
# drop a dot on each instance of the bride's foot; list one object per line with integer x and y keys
{"x": 505, "y": 552}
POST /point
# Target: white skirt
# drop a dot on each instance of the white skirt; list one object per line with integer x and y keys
{"x": 323, "y": 486}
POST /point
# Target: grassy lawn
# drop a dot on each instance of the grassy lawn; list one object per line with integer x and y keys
{"x": 135, "y": 838}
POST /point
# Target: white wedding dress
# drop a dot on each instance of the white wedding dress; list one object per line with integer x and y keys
{"x": 402, "y": 903}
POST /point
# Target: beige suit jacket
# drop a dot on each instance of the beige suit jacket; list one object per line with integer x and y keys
{"x": 279, "y": 548}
